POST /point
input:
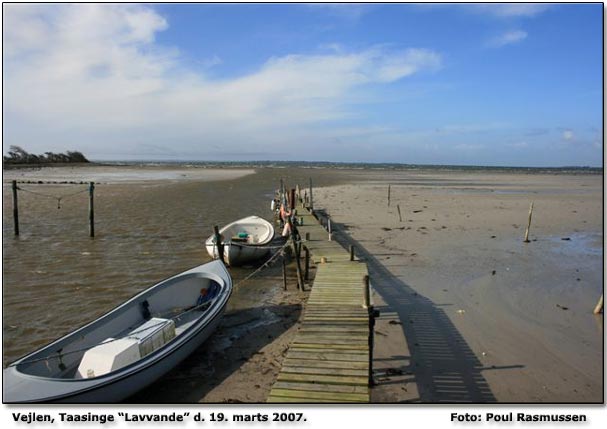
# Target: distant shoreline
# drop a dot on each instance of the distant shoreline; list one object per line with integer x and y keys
{"x": 10, "y": 166}
{"x": 358, "y": 166}
{"x": 313, "y": 165}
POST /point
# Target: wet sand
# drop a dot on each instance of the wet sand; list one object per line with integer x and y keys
{"x": 108, "y": 174}
{"x": 450, "y": 329}
{"x": 469, "y": 311}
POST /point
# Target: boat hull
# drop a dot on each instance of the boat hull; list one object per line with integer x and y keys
{"x": 22, "y": 387}
{"x": 235, "y": 253}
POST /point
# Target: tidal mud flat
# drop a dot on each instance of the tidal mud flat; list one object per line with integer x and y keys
{"x": 469, "y": 312}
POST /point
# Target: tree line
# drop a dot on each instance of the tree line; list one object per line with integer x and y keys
{"x": 17, "y": 155}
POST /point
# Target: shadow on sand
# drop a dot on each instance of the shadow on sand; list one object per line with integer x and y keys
{"x": 442, "y": 365}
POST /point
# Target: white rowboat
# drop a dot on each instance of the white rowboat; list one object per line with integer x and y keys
{"x": 129, "y": 347}
{"x": 245, "y": 240}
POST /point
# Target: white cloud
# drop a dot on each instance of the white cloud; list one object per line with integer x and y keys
{"x": 507, "y": 10}
{"x": 508, "y": 38}
{"x": 568, "y": 135}
{"x": 83, "y": 75}
{"x": 346, "y": 11}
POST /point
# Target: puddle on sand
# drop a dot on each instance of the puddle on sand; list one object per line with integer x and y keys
{"x": 577, "y": 244}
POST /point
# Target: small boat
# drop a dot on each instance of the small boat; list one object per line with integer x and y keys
{"x": 129, "y": 347}
{"x": 245, "y": 240}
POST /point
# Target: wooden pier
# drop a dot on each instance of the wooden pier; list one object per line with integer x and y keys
{"x": 328, "y": 361}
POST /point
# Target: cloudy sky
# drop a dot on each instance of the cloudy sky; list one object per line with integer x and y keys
{"x": 494, "y": 84}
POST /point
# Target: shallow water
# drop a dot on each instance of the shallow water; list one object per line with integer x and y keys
{"x": 56, "y": 278}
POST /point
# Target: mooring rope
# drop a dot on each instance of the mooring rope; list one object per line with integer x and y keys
{"x": 266, "y": 264}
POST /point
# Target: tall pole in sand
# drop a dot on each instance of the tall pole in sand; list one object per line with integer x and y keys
{"x": 311, "y": 197}
{"x": 296, "y": 248}
{"x": 528, "y": 223}
{"x": 92, "y": 209}
{"x": 15, "y": 208}
{"x": 218, "y": 243}
{"x": 599, "y": 306}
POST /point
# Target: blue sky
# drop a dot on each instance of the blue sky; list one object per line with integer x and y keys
{"x": 481, "y": 84}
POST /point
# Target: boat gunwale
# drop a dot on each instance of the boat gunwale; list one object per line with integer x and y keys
{"x": 216, "y": 308}
{"x": 146, "y": 363}
{"x": 209, "y": 241}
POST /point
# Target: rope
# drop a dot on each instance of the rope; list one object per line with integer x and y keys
{"x": 231, "y": 243}
{"x": 58, "y": 198}
{"x": 265, "y": 265}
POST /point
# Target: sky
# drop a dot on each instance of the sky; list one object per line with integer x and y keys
{"x": 462, "y": 84}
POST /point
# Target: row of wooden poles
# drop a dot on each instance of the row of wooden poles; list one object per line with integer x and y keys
{"x": 91, "y": 208}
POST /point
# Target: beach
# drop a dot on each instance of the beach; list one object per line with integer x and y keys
{"x": 468, "y": 311}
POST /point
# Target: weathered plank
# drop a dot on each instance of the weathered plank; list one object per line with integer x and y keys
{"x": 308, "y": 363}
{"x": 324, "y": 371}
{"x": 323, "y": 379}
{"x": 333, "y": 396}
{"x": 313, "y": 387}
{"x": 342, "y": 356}
{"x": 331, "y": 347}
{"x": 282, "y": 400}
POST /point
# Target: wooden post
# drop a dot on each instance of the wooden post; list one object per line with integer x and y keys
{"x": 372, "y": 315}
{"x": 366, "y": 292}
{"x": 528, "y": 223}
{"x": 92, "y": 209}
{"x": 307, "y": 269}
{"x": 329, "y": 227}
{"x": 284, "y": 271}
{"x": 292, "y": 199}
{"x": 15, "y": 208}
{"x": 599, "y": 306}
{"x": 351, "y": 252}
{"x": 298, "y": 192}
{"x": 311, "y": 198}
{"x": 388, "y": 195}
{"x": 218, "y": 243}
{"x": 400, "y": 218}
{"x": 300, "y": 284}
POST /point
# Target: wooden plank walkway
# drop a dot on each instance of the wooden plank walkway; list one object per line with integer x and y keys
{"x": 328, "y": 361}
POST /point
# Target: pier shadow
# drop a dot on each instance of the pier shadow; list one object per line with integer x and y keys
{"x": 239, "y": 339}
{"x": 441, "y": 363}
